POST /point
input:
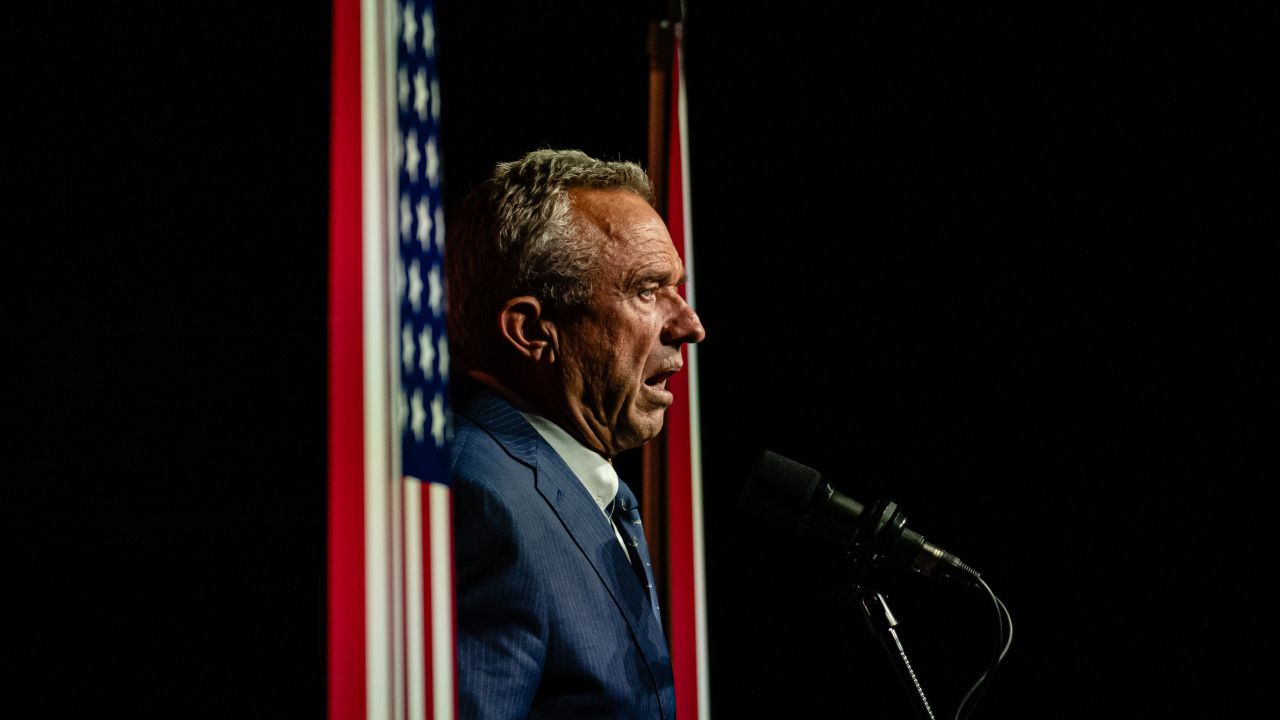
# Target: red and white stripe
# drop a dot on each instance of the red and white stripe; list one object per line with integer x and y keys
{"x": 687, "y": 607}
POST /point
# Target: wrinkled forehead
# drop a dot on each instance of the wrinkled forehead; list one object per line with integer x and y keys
{"x": 626, "y": 226}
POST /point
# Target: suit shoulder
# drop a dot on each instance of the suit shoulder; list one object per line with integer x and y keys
{"x": 477, "y": 459}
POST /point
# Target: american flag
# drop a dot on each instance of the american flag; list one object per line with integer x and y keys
{"x": 391, "y": 651}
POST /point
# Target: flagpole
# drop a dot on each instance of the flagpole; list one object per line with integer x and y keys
{"x": 653, "y": 489}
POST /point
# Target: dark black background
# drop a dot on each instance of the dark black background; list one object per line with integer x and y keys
{"x": 1007, "y": 268}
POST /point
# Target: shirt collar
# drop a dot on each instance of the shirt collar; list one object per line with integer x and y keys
{"x": 594, "y": 472}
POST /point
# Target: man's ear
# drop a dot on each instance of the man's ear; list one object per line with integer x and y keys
{"x": 525, "y": 330}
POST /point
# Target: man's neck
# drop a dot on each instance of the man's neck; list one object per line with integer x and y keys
{"x": 499, "y": 387}
{"x": 520, "y": 403}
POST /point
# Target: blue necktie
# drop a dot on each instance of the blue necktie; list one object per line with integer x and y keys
{"x": 626, "y": 516}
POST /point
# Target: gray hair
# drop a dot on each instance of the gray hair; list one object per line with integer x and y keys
{"x": 516, "y": 234}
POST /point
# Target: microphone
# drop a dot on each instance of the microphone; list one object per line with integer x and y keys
{"x": 795, "y": 496}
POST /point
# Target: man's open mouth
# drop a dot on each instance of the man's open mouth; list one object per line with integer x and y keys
{"x": 660, "y": 380}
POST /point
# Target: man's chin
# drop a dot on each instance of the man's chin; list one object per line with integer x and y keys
{"x": 646, "y": 428}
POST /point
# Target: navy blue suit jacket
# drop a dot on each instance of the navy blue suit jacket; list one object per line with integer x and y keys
{"x": 552, "y": 620}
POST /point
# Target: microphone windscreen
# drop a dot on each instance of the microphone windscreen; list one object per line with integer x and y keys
{"x": 780, "y": 489}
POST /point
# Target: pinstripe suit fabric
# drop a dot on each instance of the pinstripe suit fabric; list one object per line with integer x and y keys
{"x": 552, "y": 620}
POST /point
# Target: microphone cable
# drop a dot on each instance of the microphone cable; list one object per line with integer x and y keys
{"x": 1004, "y": 638}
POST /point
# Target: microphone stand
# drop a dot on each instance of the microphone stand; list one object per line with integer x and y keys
{"x": 881, "y": 623}
{"x": 864, "y": 551}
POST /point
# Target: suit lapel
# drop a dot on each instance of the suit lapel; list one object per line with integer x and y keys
{"x": 581, "y": 518}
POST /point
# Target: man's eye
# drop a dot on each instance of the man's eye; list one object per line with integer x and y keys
{"x": 648, "y": 293}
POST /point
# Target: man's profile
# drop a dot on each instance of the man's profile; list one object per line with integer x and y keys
{"x": 567, "y": 320}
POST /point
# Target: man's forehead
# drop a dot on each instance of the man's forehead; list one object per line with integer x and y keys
{"x": 613, "y": 209}
{"x": 628, "y": 229}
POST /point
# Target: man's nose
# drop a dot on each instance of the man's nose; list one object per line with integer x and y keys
{"x": 683, "y": 326}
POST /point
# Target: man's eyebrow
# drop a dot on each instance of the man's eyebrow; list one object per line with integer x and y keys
{"x": 660, "y": 276}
